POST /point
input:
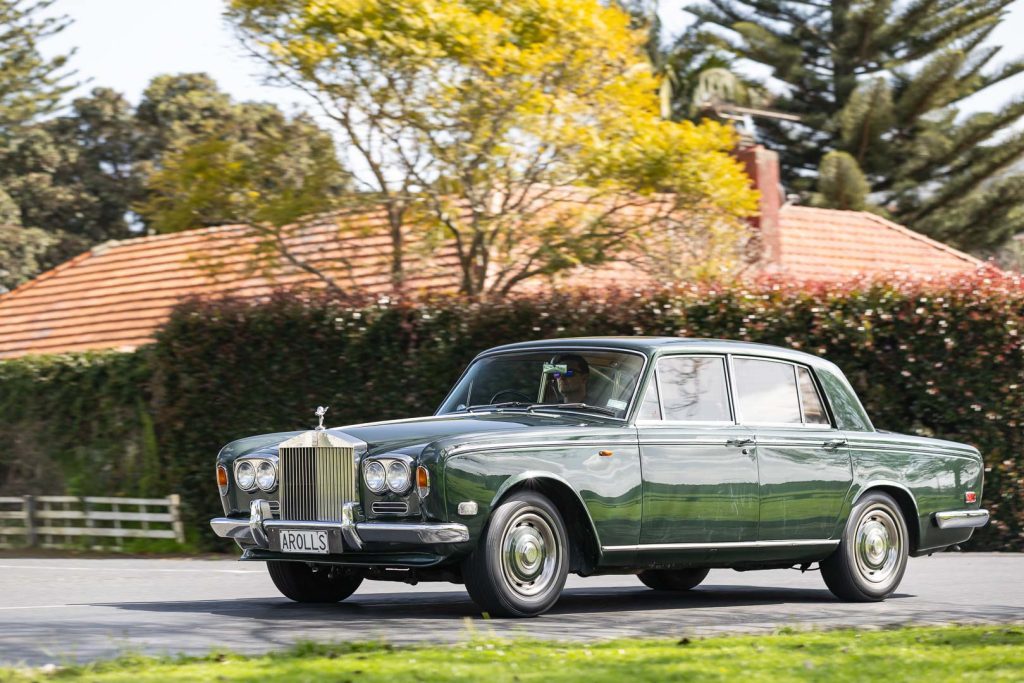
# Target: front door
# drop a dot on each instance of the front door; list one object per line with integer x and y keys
{"x": 700, "y": 483}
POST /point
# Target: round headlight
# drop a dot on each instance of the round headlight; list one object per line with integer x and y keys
{"x": 399, "y": 477}
{"x": 373, "y": 475}
{"x": 245, "y": 475}
{"x": 266, "y": 476}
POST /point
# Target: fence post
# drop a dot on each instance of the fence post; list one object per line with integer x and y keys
{"x": 28, "y": 505}
{"x": 174, "y": 501}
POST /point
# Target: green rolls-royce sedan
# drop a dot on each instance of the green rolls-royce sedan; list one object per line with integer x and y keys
{"x": 662, "y": 457}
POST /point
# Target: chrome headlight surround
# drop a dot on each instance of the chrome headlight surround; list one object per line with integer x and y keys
{"x": 399, "y": 477}
{"x": 266, "y": 468}
{"x": 375, "y": 476}
{"x": 245, "y": 475}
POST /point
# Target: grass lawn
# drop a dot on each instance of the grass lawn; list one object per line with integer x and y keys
{"x": 956, "y": 653}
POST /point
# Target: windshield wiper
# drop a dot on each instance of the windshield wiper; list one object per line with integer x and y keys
{"x": 577, "y": 406}
{"x": 507, "y": 404}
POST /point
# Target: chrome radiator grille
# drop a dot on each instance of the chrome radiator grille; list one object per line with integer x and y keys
{"x": 315, "y": 482}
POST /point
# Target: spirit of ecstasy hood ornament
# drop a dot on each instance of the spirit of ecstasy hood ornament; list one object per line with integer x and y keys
{"x": 320, "y": 412}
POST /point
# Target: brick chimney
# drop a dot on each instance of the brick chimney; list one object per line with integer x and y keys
{"x": 762, "y": 165}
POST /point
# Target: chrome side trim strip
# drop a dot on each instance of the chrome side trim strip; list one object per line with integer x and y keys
{"x": 961, "y": 519}
{"x": 719, "y": 546}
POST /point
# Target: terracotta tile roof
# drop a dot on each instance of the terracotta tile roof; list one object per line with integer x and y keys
{"x": 826, "y": 244}
{"x": 117, "y": 295}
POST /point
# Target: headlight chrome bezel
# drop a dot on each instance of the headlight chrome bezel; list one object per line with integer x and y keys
{"x": 405, "y": 470}
{"x": 239, "y": 465}
{"x": 251, "y": 467}
{"x": 377, "y": 465}
{"x": 273, "y": 469}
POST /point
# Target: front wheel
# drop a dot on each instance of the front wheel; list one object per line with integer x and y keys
{"x": 869, "y": 563}
{"x": 299, "y": 582}
{"x": 519, "y": 567}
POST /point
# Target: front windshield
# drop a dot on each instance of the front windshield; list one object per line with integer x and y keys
{"x": 581, "y": 379}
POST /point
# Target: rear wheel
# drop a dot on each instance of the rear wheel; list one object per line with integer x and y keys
{"x": 298, "y": 581}
{"x": 870, "y": 561}
{"x": 520, "y": 564}
{"x": 672, "y": 579}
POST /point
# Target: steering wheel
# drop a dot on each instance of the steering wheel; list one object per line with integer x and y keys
{"x": 511, "y": 392}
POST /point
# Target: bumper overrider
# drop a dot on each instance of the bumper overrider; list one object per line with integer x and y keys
{"x": 261, "y": 531}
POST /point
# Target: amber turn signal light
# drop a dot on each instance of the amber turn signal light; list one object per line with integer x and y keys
{"x": 423, "y": 480}
{"x": 222, "y": 479}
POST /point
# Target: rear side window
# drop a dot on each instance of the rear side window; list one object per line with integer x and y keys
{"x": 694, "y": 389}
{"x": 814, "y": 410}
{"x": 767, "y": 392}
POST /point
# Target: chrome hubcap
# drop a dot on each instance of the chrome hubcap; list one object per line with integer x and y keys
{"x": 879, "y": 545}
{"x": 529, "y": 553}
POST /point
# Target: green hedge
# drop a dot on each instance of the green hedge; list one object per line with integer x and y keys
{"x": 935, "y": 360}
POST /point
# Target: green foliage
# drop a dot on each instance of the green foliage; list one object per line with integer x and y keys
{"x": 841, "y": 185}
{"x": 938, "y": 360}
{"x": 188, "y": 156}
{"x": 21, "y": 253}
{"x": 924, "y": 654}
{"x": 78, "y": 424}
{"x": 527, "y": 134}
{"x": 886, "y": 83}
{"x": 30, "y": 85}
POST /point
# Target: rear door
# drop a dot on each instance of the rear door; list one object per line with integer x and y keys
{"x": 803, "y": 461}
{"x": 700, "y": 482}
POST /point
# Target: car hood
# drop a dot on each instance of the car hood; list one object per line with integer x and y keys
{"x": 415, "y": 433}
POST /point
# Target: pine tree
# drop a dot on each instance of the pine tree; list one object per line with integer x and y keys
{"x": 885, "y": 83}
{"x": 30, "y": 85}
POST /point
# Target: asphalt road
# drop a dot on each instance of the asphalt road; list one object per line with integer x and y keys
{"x": 56, "y": 611}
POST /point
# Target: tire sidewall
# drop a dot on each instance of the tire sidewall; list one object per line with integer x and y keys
{"x": 509, "y": 600}
{"x": 848, "y": 549}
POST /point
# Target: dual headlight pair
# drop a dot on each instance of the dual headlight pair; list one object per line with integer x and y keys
{"x": 253, "y": 474}
{"x": 396, "y": 477}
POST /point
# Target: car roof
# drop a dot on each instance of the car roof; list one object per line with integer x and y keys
{"x": 655, "y": 346}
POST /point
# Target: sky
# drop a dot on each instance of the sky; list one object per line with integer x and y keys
{"x": 122, "y": 44}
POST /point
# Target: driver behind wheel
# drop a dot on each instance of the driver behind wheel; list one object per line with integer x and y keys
{"x": 572, "y": 383}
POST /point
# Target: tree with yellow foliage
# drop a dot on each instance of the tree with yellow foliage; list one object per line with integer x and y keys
{"x": 527, "y": 134}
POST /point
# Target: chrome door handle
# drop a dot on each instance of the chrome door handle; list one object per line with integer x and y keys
{"x": 835, "y": 443}
{"x": 739, "y": 442}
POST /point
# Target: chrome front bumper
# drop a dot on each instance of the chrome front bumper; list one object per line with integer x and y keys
{"x": 961, "y": 519}
{"x": 260, "y": 530}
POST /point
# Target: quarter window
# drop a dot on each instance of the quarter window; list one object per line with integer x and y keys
{"x": 694, "y": 389}
{"x": 814, "y": 411}
{"x": 767, "y": 392}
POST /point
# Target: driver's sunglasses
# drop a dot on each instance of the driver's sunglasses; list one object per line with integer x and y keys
{"x": 567, "y": 373}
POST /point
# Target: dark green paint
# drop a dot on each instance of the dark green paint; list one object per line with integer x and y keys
{"x": 667, "y": 483}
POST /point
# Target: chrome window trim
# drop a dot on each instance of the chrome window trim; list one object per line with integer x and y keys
{"x": 661, "y": 394}
{"x": 817, "y": 392}
{"x": 630, "y": 409}
{"x": 783, "y": 425}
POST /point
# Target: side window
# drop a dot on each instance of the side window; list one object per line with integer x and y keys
{"x": 814, "y": 410}
{"x": 766, "y": 392}
{"x": 650, "y": 409}
{"x": 694, "y": 389}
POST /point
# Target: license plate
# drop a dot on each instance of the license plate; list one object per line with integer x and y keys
{"x": 296, "y": 541}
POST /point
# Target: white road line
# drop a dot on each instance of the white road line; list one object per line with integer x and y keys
{"x": 132, "y": 569}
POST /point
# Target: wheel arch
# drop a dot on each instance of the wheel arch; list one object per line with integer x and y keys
{"x": 584, "y": 543}
{"x": 908, "y": 507}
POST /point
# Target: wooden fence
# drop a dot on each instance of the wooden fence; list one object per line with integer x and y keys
{"x": 62, "y": 521}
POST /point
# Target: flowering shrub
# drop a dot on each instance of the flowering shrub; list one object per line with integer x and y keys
{"x": 936, "y": 359}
